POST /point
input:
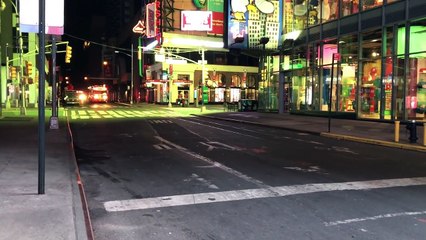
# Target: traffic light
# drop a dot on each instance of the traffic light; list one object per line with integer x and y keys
{"x": 68, "y": 54}
{"x": 13, "y": 73}
{"x": 206, "y": 74}
{"x": 28, "y": 68}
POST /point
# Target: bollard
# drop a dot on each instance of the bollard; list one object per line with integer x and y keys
{"x": 397, "y": 131}
{"x": 424, "y": 134}
{"x": 411, "y": 127}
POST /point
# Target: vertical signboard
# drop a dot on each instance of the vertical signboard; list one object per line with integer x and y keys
{"x": 248, "y": 22}
{"x": 151, "y": 20}
{"x": 29, "y": 16}
{"x": 216, "y": 7}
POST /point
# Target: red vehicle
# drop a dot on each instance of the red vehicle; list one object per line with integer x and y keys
{"x": 98, "y": 94}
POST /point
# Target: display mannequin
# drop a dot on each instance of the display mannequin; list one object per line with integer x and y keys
{"x": 325, "y": 10}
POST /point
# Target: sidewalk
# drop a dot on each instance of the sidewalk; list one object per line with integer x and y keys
{"x": 25, "y": 214}
{"x": 370, "y": 132}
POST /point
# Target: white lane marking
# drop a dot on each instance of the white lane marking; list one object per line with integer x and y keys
{"x": 211, "y": 146}
{"x": 246, "y": 194}
{"x": 203, "y": 181}
{"x": 216, "y": 164}
{"x": 389, "y": 215}
{"x": 222, "y": 129}
{"x": 308, "y": 169}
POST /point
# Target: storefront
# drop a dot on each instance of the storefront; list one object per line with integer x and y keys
{"x": 223, "y": 83}
{"x": 372, "y": 64}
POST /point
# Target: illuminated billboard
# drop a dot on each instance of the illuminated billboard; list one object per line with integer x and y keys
{"x": 250, "y": 21}
{"x": 196, "y": 21}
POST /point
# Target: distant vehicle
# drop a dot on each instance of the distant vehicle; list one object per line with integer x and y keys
{"x": 98, "y": 94}
{"x": 73, "y": 97}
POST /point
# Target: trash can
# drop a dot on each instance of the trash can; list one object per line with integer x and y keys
{"x": 412, "y": 130}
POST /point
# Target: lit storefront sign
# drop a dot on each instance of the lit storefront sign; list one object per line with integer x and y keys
{"x": 151, "y": 20}
{"x": 249, "y": 22}
{"x": 196, "y": 21}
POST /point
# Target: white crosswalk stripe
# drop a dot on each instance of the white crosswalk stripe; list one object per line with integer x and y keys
{"x": 117, "y": 113}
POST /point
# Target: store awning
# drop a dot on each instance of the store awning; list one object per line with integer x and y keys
{"x": 195, "y": 42}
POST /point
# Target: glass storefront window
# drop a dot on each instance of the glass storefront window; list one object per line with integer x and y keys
{"x": 370, "y": 79}
{"x": 329, "y": 10}
{"x": 347, "y": 85}
{"x": 313, "y": 13}
{"x": 368, "y": 4}
{"x": 388, "y": 77}
{"x": 415, "y": 102}
{"x": 300, "y": 13}
{"x": 349, "y": 7}
{"x": 298, "y": 95}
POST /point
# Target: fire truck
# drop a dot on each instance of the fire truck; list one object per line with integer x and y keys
{"x": 98, "y": 94}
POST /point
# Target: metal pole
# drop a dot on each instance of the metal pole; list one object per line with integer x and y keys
{"x": 21, "y": 72}
{"x": 54, "y": 118}
{"x": 203, "y": 108}
{"x": 1, "y": 85}
{"x": 330, "y": 94}
{"x": 41, "y": 92}
{"x": 131, "y": 77}
{"x": 7, "y": 103}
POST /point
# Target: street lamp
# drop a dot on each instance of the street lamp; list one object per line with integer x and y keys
{"x": 131, "y": 71}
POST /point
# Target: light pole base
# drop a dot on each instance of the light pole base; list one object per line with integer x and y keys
{"x": 203, "y": 108}
{"x": 54, "y": 124}
{"x": 169, "y": 105}
{"x": 23, "y": 111}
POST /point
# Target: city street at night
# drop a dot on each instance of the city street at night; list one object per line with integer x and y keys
{"x": 165, "y": 174}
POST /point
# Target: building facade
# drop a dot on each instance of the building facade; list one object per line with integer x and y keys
{"x": 366, "y": 56}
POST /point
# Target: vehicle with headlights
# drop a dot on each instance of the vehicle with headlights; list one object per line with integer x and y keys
{"x": 98, "y": 94}
{"x": 74, "y": 97}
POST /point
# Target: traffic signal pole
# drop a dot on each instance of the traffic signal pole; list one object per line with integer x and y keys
{"x": 54, "y": 118}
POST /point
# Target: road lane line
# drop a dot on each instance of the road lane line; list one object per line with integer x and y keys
{"x": 247, "y": 194}
{"x": 234, "y": 172}
{"x": 389, "y": 215}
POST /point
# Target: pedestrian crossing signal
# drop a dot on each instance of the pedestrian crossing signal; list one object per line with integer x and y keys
{"x": 68, "y": 54}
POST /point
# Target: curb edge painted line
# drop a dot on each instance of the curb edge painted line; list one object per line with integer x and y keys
{"x": 89, "y": 229}
{"x": 374, "y": 141}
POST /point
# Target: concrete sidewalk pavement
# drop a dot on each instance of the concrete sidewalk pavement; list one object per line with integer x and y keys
{"x": 25, "y": 214}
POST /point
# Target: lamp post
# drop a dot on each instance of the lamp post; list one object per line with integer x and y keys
{"x": 131, "y": 71}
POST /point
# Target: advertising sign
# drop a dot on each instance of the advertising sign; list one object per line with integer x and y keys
{"x": 196, "y": 21}
{"x": 29, "y": 16}
{"x": 249, "y": 21}
{"x": 216, "y": 6}
{"x": 151, "y": 21}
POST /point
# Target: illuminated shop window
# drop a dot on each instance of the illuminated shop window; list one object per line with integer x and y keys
{"x": 329, "y": 10}
{"x": 371, "y": 80}
{"x": 368, "y": 4}
{"x": 349, "y": 7}
{"x": 347, "y": 80}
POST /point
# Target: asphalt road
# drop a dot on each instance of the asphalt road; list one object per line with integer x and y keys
{"x": 155, "y": 175}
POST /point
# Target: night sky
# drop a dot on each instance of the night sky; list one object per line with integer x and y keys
{"x": 78, "y": 16}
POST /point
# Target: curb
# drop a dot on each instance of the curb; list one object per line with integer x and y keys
{"x": 329, "y": 135}
{"x": 82, "y": 208}
{"x": 374, "y": 141}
